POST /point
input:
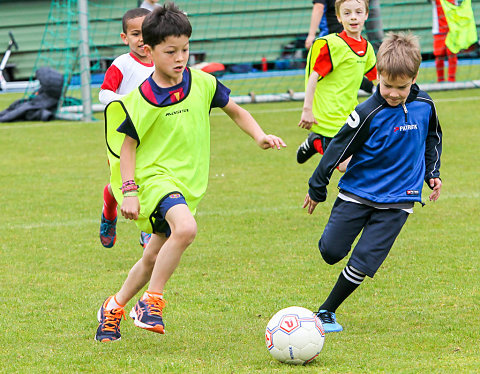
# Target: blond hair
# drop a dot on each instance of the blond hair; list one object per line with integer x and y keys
{"x": 338, "y": 3}
{"x": 399, "y": 55}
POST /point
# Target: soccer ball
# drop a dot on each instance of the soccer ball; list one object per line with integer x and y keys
{"x": 294, "y": 335}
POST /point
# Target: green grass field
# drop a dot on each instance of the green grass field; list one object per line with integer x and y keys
{"x": 255, "y": 253}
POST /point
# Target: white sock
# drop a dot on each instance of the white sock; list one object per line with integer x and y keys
{"x": 113, "y": 304}
{"x": 154, "y": 294}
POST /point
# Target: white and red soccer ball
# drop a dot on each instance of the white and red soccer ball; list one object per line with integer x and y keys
{"x": 294, "y": 335}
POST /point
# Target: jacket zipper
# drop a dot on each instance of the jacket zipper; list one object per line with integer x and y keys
{"x": 406, "y": 112}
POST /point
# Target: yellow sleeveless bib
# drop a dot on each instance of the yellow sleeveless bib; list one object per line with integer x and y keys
{"x": 173, "y": 153}
{"x": 336, "y": 93}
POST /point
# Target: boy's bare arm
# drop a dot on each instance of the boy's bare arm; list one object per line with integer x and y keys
{"x": 247, "y": 123}
{"x": 308, "y": 120}
{"x": 130, "y": 205}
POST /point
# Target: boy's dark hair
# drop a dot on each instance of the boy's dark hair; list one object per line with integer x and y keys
{"x": 131, "y": 14}
{"x": 164, "y": 21}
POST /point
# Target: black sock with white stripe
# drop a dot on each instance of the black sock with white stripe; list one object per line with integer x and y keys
{"x": 348, "y": 281}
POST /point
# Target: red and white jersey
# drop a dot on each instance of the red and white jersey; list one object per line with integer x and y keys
{"x": 126, "y": 73}
{"x": 439, "y": 24}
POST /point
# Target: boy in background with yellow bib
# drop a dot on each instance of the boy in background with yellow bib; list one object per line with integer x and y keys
{"x": 336, "y": 64}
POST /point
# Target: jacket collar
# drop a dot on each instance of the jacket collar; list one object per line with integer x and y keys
{"x": 414, "y": 90}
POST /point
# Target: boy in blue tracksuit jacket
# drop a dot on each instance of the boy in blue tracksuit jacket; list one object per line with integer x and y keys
{"x": 395, "y": 141}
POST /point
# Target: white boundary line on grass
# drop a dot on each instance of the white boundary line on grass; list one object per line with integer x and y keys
{"x": 221, "y": 113}
{"x": 91, "y": 221}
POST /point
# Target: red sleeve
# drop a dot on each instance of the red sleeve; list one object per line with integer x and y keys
{"x": 112, "y": 80}
{"x": 372, "y": 74}
{"x": 323, "y": 64}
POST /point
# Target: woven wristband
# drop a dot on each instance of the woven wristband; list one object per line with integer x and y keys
{"x": 130, "y": 193}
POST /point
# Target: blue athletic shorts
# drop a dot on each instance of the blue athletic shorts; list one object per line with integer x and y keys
{"x": 347, "y": 219}
{"x": 157, "y": 218}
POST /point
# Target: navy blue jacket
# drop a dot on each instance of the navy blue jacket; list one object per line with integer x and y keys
{"x": 393, "y": 149}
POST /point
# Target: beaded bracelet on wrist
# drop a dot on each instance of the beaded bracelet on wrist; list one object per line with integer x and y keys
{"x": 129, "y": 186}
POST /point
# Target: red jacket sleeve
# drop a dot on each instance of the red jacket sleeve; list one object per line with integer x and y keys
{"x": 113, "y": 79}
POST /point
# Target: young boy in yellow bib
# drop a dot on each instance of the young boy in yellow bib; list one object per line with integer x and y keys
{"x": 336, "y": 64}
{"x": 158, "y": 140}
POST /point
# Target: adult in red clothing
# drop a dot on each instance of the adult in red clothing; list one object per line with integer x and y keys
{"x": 440, "y": 50}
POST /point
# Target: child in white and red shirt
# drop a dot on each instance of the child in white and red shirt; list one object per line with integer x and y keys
{"x": 126, "y": 73}
{"x": 129, "y": 70}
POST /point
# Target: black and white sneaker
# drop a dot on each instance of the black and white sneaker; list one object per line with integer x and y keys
{"x": 306, "y": 149}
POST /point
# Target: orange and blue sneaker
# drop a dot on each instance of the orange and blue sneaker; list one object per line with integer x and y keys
{"x": 108, "y": 232}
{"x": 144, "y": 239}
{"x": 109, "y": 323}
{"x": 147, "y": 314}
